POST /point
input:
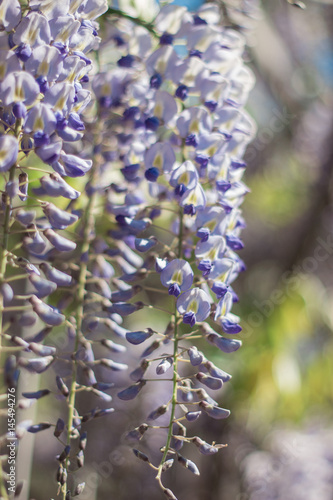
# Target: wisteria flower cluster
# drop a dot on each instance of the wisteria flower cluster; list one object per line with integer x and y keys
{"x": 149, "y": 121}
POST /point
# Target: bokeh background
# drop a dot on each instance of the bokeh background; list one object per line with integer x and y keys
{"x": 280, "y": 432}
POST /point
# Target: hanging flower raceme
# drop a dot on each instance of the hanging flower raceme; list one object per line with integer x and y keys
{"x": 173, "y": 103}
{"x": 44, "y": 90}
{"x": 134, "y": 193}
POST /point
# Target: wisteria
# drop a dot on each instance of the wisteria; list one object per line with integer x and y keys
{"x": 121, "y": 154}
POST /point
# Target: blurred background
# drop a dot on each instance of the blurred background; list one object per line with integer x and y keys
{"x": 280, "y": 432}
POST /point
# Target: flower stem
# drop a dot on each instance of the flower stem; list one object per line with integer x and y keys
{"x": 3, "y": 268}
{"x": 149, "y": 26}
{"x": 175, "y": 368}
{"x": 89, "y": 223}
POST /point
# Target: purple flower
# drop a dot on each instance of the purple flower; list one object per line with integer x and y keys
{"x": 224, "y": 317}
{"x": 194, "y": 306}
{"x": 177, "y": 276}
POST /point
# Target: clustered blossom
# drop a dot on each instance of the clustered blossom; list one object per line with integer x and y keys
{"x": 175, "y": 135}
{"x": 44, "y": 89}
{"x": 165, "y": 134}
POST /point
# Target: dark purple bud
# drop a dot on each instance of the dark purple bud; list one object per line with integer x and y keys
{"x": 168, "y": 493}
{"x": 141, "y": 455}
{"x": 34, "y": 244}
{"x": 75, "y": 122}
{"x": 211, "y": 105}
{"x": 238, "y": 164}
{"x": 191, "y": 416}
{"x": 220, "y": 289}
{"x": 19, "y": 110}
{"x": 230, "y": 327}
{"x": 89, "y": 375}
{"x": 36, "y": 395}
{"x": 137, "y": 338}
{"x": 197, "y": 20}
{"x": 205, "y": 266}
{"x": 38, "y": 427}
{"x": 164, "y": 365}
{"x": 217, "y": 372}
{"x": 189, "y": 210}
{"x": 167, "y": 464}
{"x": 138, "y": 432}
{"x": 83, "y": 441}
{"x": 203, "y": 233}
{"x": 80, "y": 459}
{"x": 62, "y": 386}
{"x": 103, "y": 386}
{"x": 53, "y": 274}
{"x": 166, "y": 39}
{"x": 188, "y": 464}
{"x": 36, "y": 365}
{"x": 202, "y": 160}
{"x": 214, "y": 411}
{"x": 59, "y": 242}
{"x": 189, "y": 318}
{"x": 224, "y": 344}
{"x": 223, "y": 186}
{"x": 125, "y": 308}
{"x": 41, "y": 139}
{"x": 152, "y": 124}
{"x": 174, "y": 289}
{"x": 25, "y": 217}
{"x": 152, "y": 174}
{"x": 42, "y": 286}
{"x": 64, "y": 454}
{"x": 156, "y": 81}
{"x": 59, "y": 219}
{"x": 11, "y": 373}
{"x": 46, "y": 313}
{"x": 59, "y": 428}
{"x": 205, "y": 448}
{"x": 145, "y": 244}
{"x": 234, "y": 242}
{"x": 182, "y": 92}
{"x": 161, "y": 410}
{"x": 132, "y": 391}
{"x": 61, "y": 475}
{"x": 180, "y": 189}
{"x": 23, "y": 51}
{"x": 126, "y": 61}
{"x": 185, "y": 395}
{"x": 43, "y": 83}
{"x": 42, "y": 350}
{"x": 130, "y": 172}
{"x": 153, "y": 346}
{"x": 191, "y": 140}
{"x": 210, "y": 382}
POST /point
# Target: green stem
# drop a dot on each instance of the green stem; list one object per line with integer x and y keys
{"x": 175, "y": 367}
{"x": 3, "y": 268}
{"x": 88, "y": 226}
{"x": 149, "y": 26}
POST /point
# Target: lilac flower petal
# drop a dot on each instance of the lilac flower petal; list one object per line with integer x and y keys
{"x": 8, "y": 152}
